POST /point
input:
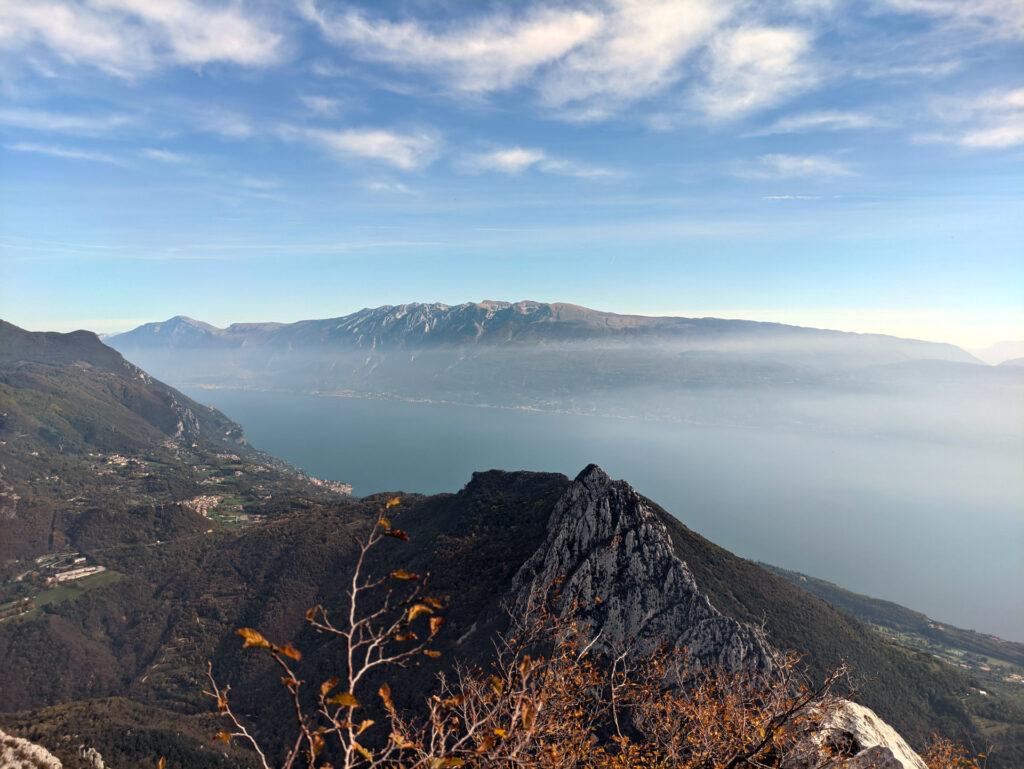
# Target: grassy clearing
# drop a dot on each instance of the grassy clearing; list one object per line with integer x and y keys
{"x": 72, "y": 590}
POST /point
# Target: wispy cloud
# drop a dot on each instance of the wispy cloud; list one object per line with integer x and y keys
{"x": 994, "y": 120}
{"x": 516, "y": 160}
{"x": 230, "y": 125}
{"x": 165, "y": 156}
{"x": 511, "y": 160}
{"x": 779, "y": 166}
{"x": 591, "y": 62}
{"x": 997, "y": 18}
{"x": 389, "y": 187}
{"x": 488, "y": 54}
{"x": 131, "y": 37}
{"x": 407, "y": 151}
{"x": 68, "y": 153}
{"x": 321, "y": 105}
{"x": 63, "y": 122}
{"x": 637, "y": 51}
{"x": 822, "y": 120}
{"x": 755, "y": 67}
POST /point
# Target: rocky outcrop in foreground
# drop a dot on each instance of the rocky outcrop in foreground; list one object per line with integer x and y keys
{"x": 855, "y": 738}
{"x": 611, "y": 564}
{"x": 16, "y": 753}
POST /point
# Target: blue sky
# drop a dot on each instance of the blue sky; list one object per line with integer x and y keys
{"x": 854, "y": 165}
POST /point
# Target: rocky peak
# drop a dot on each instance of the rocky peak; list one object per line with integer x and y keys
{"x": 611, "y": 563}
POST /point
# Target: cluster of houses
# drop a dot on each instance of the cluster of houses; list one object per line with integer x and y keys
{"x": 56, "y": 568}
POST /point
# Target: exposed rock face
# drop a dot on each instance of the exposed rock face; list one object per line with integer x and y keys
{"x": 858, "y": 739}
{"x": 92, "y": 757}
{"x": 613, "y": 567}
{"x": 16, "y": 753}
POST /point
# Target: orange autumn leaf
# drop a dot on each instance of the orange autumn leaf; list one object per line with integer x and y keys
{"x": 384, "y": 692}
{"x": 364, "y": 752}
{"x": 289, "y": 651}
{"x": 345, "y": 699}
{"x": 417, "y": 609}
{"x": 327, "y": 685}
{"x": 252, "y": 638}
{"x": 405, "y": 576}
{"x": 401, "y": 741}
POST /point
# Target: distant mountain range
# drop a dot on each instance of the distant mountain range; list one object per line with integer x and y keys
{"x": 561, "y": 357}
{"x": 424, "y": 326}
{"x": 115, "y": 458}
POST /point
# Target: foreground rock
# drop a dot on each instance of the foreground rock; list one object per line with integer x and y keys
{"x": 16, "y": 753}
{"x": 852, "y": 736}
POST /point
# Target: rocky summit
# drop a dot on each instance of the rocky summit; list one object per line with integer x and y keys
{"x": 612, "y": 565}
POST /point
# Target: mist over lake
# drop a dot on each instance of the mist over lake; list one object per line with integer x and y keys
{"x": 936, "y": 526}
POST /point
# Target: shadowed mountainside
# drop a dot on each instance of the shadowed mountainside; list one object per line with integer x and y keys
{"x": 86, "y": 436}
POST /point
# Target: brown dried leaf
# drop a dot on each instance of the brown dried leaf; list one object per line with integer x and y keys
{"x": 289, "y": 651}
{"x": 327, "y": 685}
{"x": 364, "y": 752}
{"x": 345, "y": 699}
{"x": 405, "y": 576}
{"x": 417, "y": 609}
{"x": 252, "y": 638}
{"x": 384, "y": 692}
{"x": 401, "y": 741}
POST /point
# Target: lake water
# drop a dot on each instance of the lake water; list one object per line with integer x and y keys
{"x": 936, "y": 527}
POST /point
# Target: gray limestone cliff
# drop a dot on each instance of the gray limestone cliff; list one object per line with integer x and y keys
{"x": 611, "y": 564}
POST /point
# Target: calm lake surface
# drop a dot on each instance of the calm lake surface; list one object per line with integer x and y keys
{"x": 936, "y": 527}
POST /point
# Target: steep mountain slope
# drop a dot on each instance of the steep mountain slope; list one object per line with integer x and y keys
{"x": 86, "y": 436}
{"x": 147, "y": 636}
